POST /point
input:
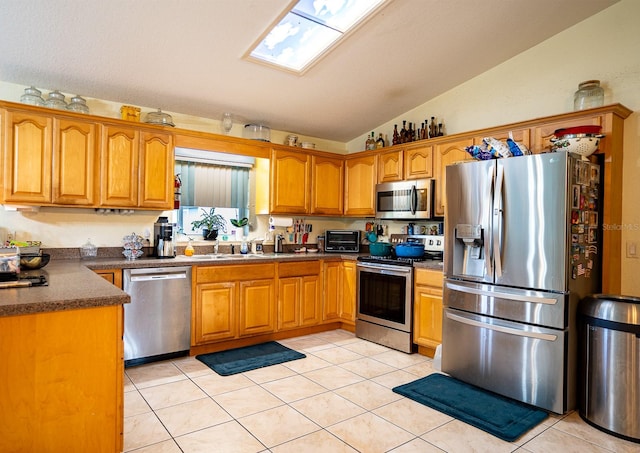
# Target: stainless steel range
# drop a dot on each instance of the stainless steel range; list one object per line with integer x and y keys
{"x": 384, "y": 312}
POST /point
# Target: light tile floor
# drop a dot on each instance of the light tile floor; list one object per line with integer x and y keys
{"x": 337, "y": 399}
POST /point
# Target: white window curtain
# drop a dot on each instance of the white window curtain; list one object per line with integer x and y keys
{"x": 214, "y": 185}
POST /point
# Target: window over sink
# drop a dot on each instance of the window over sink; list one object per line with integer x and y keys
{"x": 213, "y": 180}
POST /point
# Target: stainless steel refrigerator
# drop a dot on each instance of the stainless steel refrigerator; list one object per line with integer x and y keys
{"x": 522, "y": 247}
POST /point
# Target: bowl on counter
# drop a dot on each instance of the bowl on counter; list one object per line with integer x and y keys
{"x": 34, "y": 261}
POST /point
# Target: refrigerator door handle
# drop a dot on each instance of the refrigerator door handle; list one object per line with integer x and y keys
{"x": 497, "y": 221}
{"x": 414, "y": 199}
{"x": 497, "y": 328}
{"x": 502, "y": 295}
{"x": 487, "y": 243}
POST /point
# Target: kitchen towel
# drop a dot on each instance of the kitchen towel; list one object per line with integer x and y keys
{"x": 238, "y": 360}
{"x": 503, "y": 417}
{"x": 281, "y": 221}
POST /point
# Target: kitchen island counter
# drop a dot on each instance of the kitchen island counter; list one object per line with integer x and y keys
{"x": 71, "y": 286}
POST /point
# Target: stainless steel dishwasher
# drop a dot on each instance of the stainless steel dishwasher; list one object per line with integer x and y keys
{"x": 157, "y": 322}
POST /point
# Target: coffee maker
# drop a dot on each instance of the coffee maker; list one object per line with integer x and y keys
{"x": 163, "y": 233}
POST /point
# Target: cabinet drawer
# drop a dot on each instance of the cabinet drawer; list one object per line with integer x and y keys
{"x": 298, "y": 268}
{"x": 428, "y": 277}
{"x": 221, "y": 273}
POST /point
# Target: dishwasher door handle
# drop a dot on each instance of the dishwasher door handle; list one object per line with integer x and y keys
{"x": 151, "y": 277}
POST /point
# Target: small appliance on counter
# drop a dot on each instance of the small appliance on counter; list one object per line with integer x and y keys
{"x": 164, "y": 236}
{"x": 340, "y": 241}
{"x": 10, "y": 272}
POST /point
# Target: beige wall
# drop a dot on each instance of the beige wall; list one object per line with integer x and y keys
{"x": 538, "y": 82}
{"x": 541, "y": 82}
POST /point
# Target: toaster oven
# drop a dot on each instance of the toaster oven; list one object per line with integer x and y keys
{"x": 342, "y": 241}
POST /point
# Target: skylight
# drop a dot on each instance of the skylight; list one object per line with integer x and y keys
{"x": 309, "y": 29}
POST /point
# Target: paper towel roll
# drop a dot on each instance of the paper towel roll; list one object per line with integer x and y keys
{"x": 281, "y": 221}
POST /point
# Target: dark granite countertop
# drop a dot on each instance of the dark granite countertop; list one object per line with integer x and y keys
{"x": 74, "y": 285}
{"x": 209, "y": 259}
{"x": 71, "y": 286}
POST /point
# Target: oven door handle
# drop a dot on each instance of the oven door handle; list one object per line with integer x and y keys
{"x": 502, "y": 294}
{"x": 497, "y": 328}
{"x": 386, "y": 270}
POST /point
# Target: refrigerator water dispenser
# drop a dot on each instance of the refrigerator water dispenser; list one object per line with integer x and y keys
{"x": 469, "y": 257}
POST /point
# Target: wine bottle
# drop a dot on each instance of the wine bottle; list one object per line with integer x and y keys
{"x": 433, "y": 131}
{"x": 396, "y": 135}
{"x": 410, "y": 133}
{"x": 440, "y": 131}
{"x": 403, "y": 132}
{"x": 380, "y": 141}
{"x": 371, "y": 142}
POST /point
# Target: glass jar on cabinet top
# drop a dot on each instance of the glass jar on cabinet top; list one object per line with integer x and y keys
{"x": 589, "y": 95}
{"x": 78, "y": 104}
{"x": 32, "y": 96}
{"x": 55, "y": 100}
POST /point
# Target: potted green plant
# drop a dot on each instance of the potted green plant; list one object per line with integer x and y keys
{"x": 211, "y": 223}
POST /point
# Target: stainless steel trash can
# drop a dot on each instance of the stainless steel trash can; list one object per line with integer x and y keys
{"x": 609, "y": 384}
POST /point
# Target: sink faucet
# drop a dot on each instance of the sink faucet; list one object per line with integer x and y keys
{"x": 233, "y": 249}
{"x": 215, "y": 247}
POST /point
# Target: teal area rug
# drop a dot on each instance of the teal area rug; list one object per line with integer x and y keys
{"x": 495, "y": 414}
{"x": 238, "y": 360}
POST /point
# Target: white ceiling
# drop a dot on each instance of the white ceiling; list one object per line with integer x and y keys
{"x": 186, "y": 56}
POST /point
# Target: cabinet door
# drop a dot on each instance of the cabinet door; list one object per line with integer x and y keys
{"x": 428, "y": 308}
{"x": 447, "y": 154}
{"x": 75, "y": 162}
{"x": 214, "y": 312}
{"x": 156, "y": 171}
{"x": 332, "y": 291}
{"x": 289, "y": 301}
{"x": 113, "y": 276}
{"x": 418, "y": 163}
{"x": 310, "y": 298}
{"x": 390, "y": 166}
{"x": 257, "y": 307}
{"x": 348, "y": 306}
{"x": 119, "y": 167}
{"x": 27, "y": 157}
{"x": 327, "y": 182}
{"x": 428, "y": 318}
{"x": 360, "y": 182}
{"x": 542, "y": 135}
{"x": 290, "y": 175}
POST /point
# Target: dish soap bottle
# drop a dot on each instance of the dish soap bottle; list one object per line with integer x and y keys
{"x": 189, "y": 251}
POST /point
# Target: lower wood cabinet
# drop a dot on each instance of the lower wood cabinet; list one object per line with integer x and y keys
{"x": 299, "y": 294}
{"x": 62, "y": 381}
{"x": 233, "y": 301}
{"x": 427, "y": 309}
{"x": 339, "y": 302}
{"x": 113, "y": 276}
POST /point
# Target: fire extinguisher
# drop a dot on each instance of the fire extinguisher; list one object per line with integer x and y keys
{"x": 177, "y": 183}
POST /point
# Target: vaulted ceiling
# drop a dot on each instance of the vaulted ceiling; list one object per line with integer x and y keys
{"x": 187, "y": 56}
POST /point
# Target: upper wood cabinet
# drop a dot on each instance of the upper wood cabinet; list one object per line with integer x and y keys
{"x": 27, "y": 157}
{"x": 447, "y": 153}
{"x": 390, "y": 166}
{"x": 403, "y": 164}
{"x": 136, "y": 168}
{"x": 75, "y": 162}
{"x": 418, "y": 162}
{"x": 327, "y": 185}
{"x": 119, "y": 166}
{"x": 156, "y": 171}
{"x": 360, "y": 182}
{"x": 49, "y": 160}
{"x": 290, "y": 182}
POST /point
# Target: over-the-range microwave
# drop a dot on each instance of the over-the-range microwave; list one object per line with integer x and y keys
{"x": 404, "y": 200}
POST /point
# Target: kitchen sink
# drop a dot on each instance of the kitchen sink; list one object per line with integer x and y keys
{"x": 220, "y": 256}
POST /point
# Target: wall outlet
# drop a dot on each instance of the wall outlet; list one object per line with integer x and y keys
{"x": 632, "y": 249}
